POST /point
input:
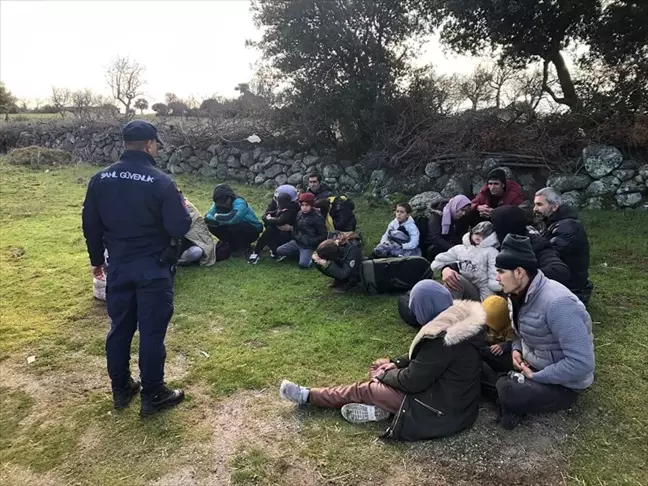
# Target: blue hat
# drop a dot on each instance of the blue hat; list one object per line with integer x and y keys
{"x": 139, "y": 130}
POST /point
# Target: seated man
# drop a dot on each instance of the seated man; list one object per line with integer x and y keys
{"x": 316, "y": 188}
{"x": 496, "y": 193}
{"x": 554, "y": 349}
{"x": 197, "y": 245}
{"x": 567, "y": 235}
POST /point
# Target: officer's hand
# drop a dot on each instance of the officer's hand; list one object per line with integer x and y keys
{"x": 99, "y": 272}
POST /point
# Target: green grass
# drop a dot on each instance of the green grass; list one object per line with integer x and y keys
{"x": 258, "y": 324}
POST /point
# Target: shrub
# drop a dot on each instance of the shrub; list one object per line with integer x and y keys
{"x": 36, "y": 157}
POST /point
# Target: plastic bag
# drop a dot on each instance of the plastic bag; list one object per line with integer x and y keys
{"x": 99, "y": 288}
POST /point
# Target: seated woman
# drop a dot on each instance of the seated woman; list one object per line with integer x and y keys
{"x": 340, "y": 259}
{"x": 308, "y": 232}
{"x": 278, "y": 218}
{"x": 447, "y": 224}
{"x": 424, "y": 302}
{"x": 197, "y": 245}
{"x": 338, "y": 213}
{"x": 433, "y": 390}
{"x": 474, "y": 260}
{"x": 402, "y": 235}
{"x": 232, "y": 220}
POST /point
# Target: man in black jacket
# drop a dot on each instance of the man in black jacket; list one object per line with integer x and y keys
{"x": 340, "y": 259}
{"x": 567, "y": 235}
{"x": 316, "y": 188}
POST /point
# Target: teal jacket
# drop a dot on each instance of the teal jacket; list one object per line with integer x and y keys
{"x": 241, "y": 213}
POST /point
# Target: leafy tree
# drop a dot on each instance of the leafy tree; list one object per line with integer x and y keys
{"x": 141, "y": 104}
{"x": 339, "y": 61}
{"x": 7, "y": 100}
{"x": 160, "y": 109}
{"x": 524, "y": 31}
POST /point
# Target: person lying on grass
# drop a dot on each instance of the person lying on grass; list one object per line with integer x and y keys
{"x": 432, "y": 391}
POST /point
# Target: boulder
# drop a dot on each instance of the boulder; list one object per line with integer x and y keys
{"x": 234, "y": 151}
{"x": 207, "y": 171}
{"x": 603, "y": 186}
{"x": 175, "y": 169}
{"x": 630, "y": 186}
{"x": 194, "y": 162}
{"x": 458, "y": 184}
{"x": 233, "y": 162}
{"x": 213, "y": 162}
{"x": 433, "y": 170}
{"x": 257, "y": 153}
{"x": 269, "y": 184}
{"x": 299, "y": 156}
{"x": 476, "y": 183}
{"x": 247, "y": 159}
{"x": 186, "y": 151}
{"x": 332, "y": 171}
{"x": 257, "y": 168}
{"x": 639, "y": 179}
{"x": 349, "y": 182}
{"x": 377, "y": 176}
{"x": 287, "y": 163}
{"x": 273, "y": 171}
{"x": 310, "y": 160}
{"x": 212, "y": 149}
{"x": 425, "y": 201}
{"x": 439, "y": 183}
{"x": 281, "y": 179}
{"x": 268, "y": 161}
{"x": 631, "y": 200}
{"x": 354, "y": 172}
{"x": 288, "y": 154}
{"x": 624, "y": 174}
{"x": 297, "y": 167}
{"x": 643, "y": 172}
{"x": 259, "y": 179}
{"x": 573, "y": 198}
{"x": 568, "y": 182}
{"x": 221, "y": 172}
{"x": 296, "y": 178}
{"x": 594, "y": 203}
{"x": 601, "y": 160}
{"x": 114, "y": 154}
{"x": 187, "y": 168}
{"x": 528, "y": 182}
{"x": 490, "y": 164}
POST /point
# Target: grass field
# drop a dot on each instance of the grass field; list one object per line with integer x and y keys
{"x": 238, "y": 330}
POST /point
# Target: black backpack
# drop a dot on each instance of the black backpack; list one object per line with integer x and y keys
{"x": 422, "y": 223}
{"x": 397, "y": 274}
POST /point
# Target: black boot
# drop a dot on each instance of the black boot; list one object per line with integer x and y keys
{"x": 163, "y": 399}
{"x": 123, "y": 397}
{"x": 507, "y": 420}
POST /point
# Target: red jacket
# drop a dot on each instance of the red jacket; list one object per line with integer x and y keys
{"x": 512, "y": 196}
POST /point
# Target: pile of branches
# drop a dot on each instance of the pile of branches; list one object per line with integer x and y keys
{"x": 554, "y": 141}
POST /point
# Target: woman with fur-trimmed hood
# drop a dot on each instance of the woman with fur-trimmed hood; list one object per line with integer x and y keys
{"x": 432, "y": 391}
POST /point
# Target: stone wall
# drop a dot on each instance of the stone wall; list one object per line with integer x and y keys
{"x": 607, "y": 180}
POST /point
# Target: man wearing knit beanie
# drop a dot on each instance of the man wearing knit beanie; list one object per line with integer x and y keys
{"x": 498, "y": 191}
{"x": 554, "y": 349}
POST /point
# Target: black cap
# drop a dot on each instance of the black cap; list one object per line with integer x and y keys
{"x": 497, "y": 174}
{"x": 516, "y": 252}
{"x": 139, "y": 130}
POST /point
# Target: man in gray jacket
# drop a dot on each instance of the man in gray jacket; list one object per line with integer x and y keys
{"x": 554, "y": 349}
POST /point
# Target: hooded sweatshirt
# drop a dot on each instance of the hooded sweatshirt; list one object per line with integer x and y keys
{"x": 475, "y": 263}
{"x": 228, "y": 208}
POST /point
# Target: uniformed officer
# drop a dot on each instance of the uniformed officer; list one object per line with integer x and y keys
{"x": 134, "y": 210}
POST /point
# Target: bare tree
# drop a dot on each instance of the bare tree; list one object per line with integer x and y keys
{"x": 124, "y": 77}
{"x": 82, "y": 101}
{"x": 60, "y": 99}
{"x": 476, "y": 87}
{"x": 502, "y": 76}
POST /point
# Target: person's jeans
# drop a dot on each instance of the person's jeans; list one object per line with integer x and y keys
{"x": 190, "y": 255}
{"x": 292, "y": 249}
{"x": 533, "y": 397}
{"x": 368, "y": 392}
{"x": 468, "y": 290}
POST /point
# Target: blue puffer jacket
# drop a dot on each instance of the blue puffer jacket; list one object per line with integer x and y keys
{"x": 555, "y": 334}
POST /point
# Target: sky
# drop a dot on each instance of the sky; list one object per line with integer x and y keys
{"x": 188, "y": 47}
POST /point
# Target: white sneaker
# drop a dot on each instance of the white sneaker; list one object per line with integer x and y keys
{"x": 293, "y": 392}
{"x": 254, "y": 258}
{"x": 360, "y": 413}
{"x": 280, "y": 258}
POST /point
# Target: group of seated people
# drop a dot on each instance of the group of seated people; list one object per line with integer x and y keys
{"x": 507, "y": 320}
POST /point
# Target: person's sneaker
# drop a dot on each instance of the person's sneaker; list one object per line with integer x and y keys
{"x": 293, "y": 392}
{"x": 344, "y": 288}
{"x": 359, "y": 413}
{"x": 280, "y": 258}
{"x": 162, "y": 400}
{"x": 122, "y": 398}
{"x": 254, "y": 258}
{"x": 273, "y": 255}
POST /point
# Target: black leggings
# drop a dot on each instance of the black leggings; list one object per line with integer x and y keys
{"x": 238, "y": 236}
{"x": 273, "y": 239}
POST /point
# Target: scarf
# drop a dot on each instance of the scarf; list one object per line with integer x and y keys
{"x": 450, "y": 212}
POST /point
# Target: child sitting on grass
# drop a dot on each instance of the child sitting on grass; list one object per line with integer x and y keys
{"x": 402, "y": 236}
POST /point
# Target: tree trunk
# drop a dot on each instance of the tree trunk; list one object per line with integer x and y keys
{"x": 570, "y": 98}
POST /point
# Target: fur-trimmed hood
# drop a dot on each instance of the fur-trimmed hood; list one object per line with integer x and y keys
{"x": 463, "y": 320}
